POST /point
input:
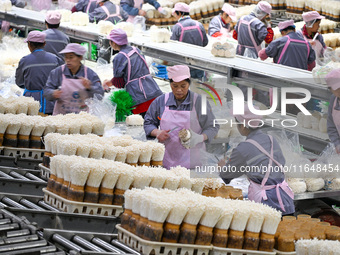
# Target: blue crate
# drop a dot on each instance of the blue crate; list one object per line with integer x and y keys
{"x": 162, "y": 72}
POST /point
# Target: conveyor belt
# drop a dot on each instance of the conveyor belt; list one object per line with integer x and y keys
{"x": 256, "y": 72}
{"x": 37, "y": 20}
{"x": 251, "y": 70}
{"x": 36, "y": 210}
{"x": 19, "y": 237}
{"x": 87, "y": 242}
{"x": 24, "y": 181}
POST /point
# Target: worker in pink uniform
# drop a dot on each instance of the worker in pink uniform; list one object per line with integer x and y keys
{"x": 220, "y": 25}
{"x": 310, "y": 32}
{"x": 72, "y": 83}
{"x": 177, "y": 110}
{"x": 134, "y": 8}
{"x": 291, "y": 49}
{"x": 261, "y": 153}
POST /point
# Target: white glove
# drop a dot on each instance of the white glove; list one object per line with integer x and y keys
{"x": 162, "y": 11}
{"x": 193, "y": 141}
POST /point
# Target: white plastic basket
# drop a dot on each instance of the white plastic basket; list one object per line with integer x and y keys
{"x": 44, "y": 171}
{"x": 285, "y": 253}
{"x": 229, "y": 251}
{"x": 27, "y": 153}
{"x": 159, "y": 248}
{"x": 80, "y": 207}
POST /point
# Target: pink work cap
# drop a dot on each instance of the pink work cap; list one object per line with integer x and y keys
{"x": 309, "y": 16}
{"x": 333, "y": 79}
{"x": 53, "y": 17}
{"x": 228, "y": 9}
{"x": 36, "y": 36}
{"x": 285, "y": 24}
{"x": 181, "y": 7}
{"x": 74, "y": 48}
{"x": 118, "y": 36}
{"x": 178, "y": 73}
{"x": 249, "y": 116}
{"x": 265, "y": 6}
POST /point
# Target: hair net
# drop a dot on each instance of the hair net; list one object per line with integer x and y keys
{"x": 310, "y": 23}
{"x": 259, "y": 13}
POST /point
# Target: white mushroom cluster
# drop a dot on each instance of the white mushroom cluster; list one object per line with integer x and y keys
{"x": 225, "y": 50}
{"x": 315, "y": 246}
{"x": 159, "y": 35}
{"x": 17, "y": 105}
{"x": 203, "y": 220}
{"x": 123, "y": 149}
{"x": 15, "y": 125}
{"x": 79, "y": 19}
{"x": 121, "y": 176}
{"x": 5, "y": 5}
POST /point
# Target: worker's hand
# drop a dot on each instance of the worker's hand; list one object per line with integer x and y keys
{"x": 162, "y": 11}
{"x": 106, "y": 85}
{"x": 312, "y": 43}
{"x": 163, "y": 135}
{"x": 221, "y": 163}
{"x": 263, "y": 54}
{"x": 193, "y": 141}
{"x": 57, "y": 93}
{"x": 86, "y": 83}
{"x": 337, "y": 148}
{"x": 267, "y": 22}
{"x": 141, "y": 13}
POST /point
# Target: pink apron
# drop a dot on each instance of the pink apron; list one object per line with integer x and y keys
{"x": 73, "y": 97}
{"x": 89, "y": 5}
{"x": 287, "y": 45}
{"x": 140, "y": 79}
{"x": 175, "y": 153}
{"x": 255, "y": 46}
{"x": 318, "y": 48}
{"x": 197, "y": 27}
{"x": 257, "y": 192}
{"x": 5, "y": 25}
{"x": 223, "y": 31}
{"x": 39, "y": 5}
{"x": 117, "y": 14}
{"x": 138, "y": 5}
{"x": 336, "y": 116}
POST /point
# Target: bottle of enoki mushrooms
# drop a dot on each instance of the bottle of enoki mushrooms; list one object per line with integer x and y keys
{"x": 174, "y": 220}
{"x": 271, "y": 221}
{"x": 238, "y": 225}
{"x": 158, "y": 212}
{"x": 208, "y": 221}
{"x": 196, "y": 208}
{"x": 109, "y": 181}
{"x": 220, "y": 238}
{"x": 124, "y": 182}
{"x": 126, "y": 216}
{"x": 253, "y": 228}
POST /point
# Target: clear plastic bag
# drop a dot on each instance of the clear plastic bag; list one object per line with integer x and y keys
{"x": 8, "y": 89}
{"x": 102, "y": 108}
{"x": 139, "y": 23}
{"x": 250, "y": 53}
{"x": 66, "y": 4}
{"x": 329, "y": 162}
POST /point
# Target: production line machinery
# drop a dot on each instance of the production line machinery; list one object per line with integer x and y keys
{"x": 240, "y": 70}
{"x": 19, "y": 236}
{"x": 37, "y": 226}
